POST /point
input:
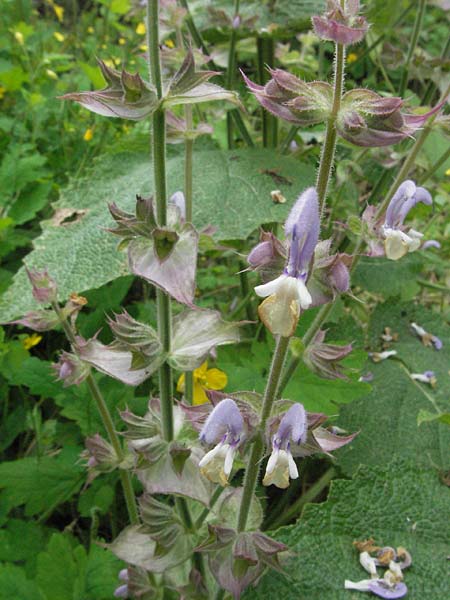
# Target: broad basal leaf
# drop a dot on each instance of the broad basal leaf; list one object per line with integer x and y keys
{"x": 231, "y": 193}
{"x": 397, "y": 505}
{"x": 388, "y": 417}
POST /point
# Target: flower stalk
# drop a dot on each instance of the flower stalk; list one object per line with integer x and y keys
{"x": 329, "y": 146}
{"x": 108, "y": 423}
{"x": 257, "y": 451}
{"x": 159, "y": 172}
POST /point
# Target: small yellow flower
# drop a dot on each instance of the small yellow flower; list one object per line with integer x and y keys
{"x": 143, "y": 47}
{"x": 19, "y": 37}
{"x": 204, "y": 379}
{"x": 31, "y": 340}
{"x": 122, "y": 41}
{"x": 141, "y": 29}
{"x": 90, "y": 29}
{"x": 447, "y": 172}
{"x": 59, "y": 36}
{"x": 352, "y": 57}
{"x": 88, "y": 135}
{"x": 170, "y": 44}
{"x": 59, "y": 11}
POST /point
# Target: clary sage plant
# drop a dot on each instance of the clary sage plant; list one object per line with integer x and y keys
{"x": 192, "y": 530}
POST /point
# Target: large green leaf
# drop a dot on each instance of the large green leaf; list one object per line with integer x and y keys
{"x": 387, "y": 417}
{"x": 42, "y": 483}
{"x": 396, "y": 504}
{"x": 231, "y": 193}
{"x": 389, "y": 278}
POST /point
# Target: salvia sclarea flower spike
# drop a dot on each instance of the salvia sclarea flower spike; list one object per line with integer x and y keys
{"x": 281, "y": 465}
{"x": 287, "y": 294}
{"x": 224, "y": 427}
{"x": 397, "y": 242}
{"x": 340, "y": 24}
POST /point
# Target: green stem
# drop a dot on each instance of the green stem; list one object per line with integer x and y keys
{"x": 108, "y": 423}
{"x": 432, "y": 170}
{"x": 431, "y": 87}
{"x": 196, "y": 36}
{"x": 266, "y": 57}
{"x": 319, "y": 319}
{"x": 383, "y": 35}
{"x": 230, "y": 72}
{"x": 412, "y": 46}
{"x": 205, "y": 512}
{"x": 315, "y": 490}
{"x": 159, "y": 173}
{"x": 329, "y": 146}
{"x": 189, "y": 387}
{"x": 288, "y": 139}
{"x": 257, "y": 451}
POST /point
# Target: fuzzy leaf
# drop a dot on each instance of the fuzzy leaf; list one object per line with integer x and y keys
{"x": 175, "y": 274}
{"x": 231, "y": 190}
{"x": 136, "y": 547}
{"x": 387, "y": 417}
{"x": 397, "y": 505}
{"x": 195, "y": 334}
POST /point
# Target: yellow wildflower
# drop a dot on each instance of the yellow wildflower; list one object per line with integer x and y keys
{"x": 143, "y": 47}
{"x": 447, "y": 172}
{"x": 58, "y": 36}
{"x": 90, "y": 29}
{"x": 122, "y": 41}
{"x": 170, "y": 44}
{"x": 141, "y": 29}
{"x": 19, "y": 37}
{"x": 88, "y": 135}
{"x": 352, "y": 57}
{"x": 31, "y": 340}
{"x": 204, "y": 379}
{"x": 59, "y": 11}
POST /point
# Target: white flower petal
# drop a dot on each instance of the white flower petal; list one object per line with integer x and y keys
{"x": 211, "y": 454}
{"x": 229, "y": 458}
{"x": 304, "y": 297}
{"x": 293, "y": 471}
{"x": 272, "y": 462}
{"x": 267, "y": 289}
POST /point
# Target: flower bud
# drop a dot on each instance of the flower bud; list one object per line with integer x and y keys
{"x": 324, "y": 359}
{"x": 288, "y": 97}
{"x": 70, "y": 369}
{"x": 100, "y": 454}
{"x": 38, "y": 320}
{"x": 44, "y": 287}
{"x": 341, "y": 25}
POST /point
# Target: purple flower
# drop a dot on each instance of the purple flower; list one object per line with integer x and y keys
{"x": 425, "y": 377}
{"x": 397, "y": 242}
{"x": 281, "y": 466}
{"x": 121, "y": 591}
{"x": 225, "y": 428}
{"x": 378, "y": 587}
{"x": 287, "y": 294}
{"x": 70, "y": 369}
{"x": 179, "y": 201}
{"x": 431, "y": 244}
{"x": 428, "y": 339}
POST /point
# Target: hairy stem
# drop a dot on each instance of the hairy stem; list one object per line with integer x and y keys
{"x": 108, "y": 423}
{"x": 257, "y": 451}
{"x": 329, "y": 146}
{"x": 412, "y": 46}
{"x": 231, "y": 67}
{"x": 159, "y": 173}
